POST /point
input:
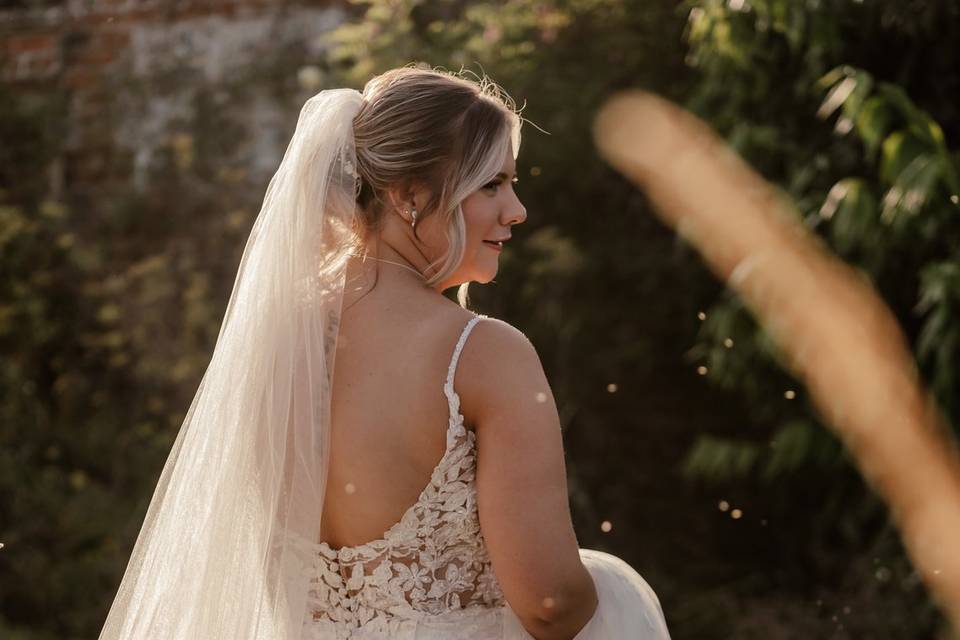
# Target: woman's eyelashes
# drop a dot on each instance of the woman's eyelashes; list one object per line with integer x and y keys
{"x": 496, "y": 183}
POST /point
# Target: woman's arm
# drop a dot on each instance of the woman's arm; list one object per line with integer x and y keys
{"x": 521, "y": 482}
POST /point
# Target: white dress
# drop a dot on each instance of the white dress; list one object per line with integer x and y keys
{"x": 430, "y": 578}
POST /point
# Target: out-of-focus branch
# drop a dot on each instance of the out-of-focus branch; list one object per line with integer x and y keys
{"x": 834, "y": 331}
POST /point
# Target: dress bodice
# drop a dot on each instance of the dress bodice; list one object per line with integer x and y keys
{"x": 432, "y": 562}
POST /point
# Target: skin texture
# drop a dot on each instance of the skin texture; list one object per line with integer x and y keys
{"x": 390, "y": 414}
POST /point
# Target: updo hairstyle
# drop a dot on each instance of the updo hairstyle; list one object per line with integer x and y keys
{"x": 435, "y": 129}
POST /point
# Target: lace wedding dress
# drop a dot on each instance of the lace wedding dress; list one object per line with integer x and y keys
{"x": 429, "y": 577}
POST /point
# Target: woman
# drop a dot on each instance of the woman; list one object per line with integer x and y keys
{"x": 299, "y": 504}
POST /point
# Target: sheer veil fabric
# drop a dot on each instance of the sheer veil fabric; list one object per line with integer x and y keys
{"x": 219, "y": 554}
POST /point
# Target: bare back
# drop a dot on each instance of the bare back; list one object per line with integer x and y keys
{"x": 389, "y": 412}
{"x": 468, "y": 497}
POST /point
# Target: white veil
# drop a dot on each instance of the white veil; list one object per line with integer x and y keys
{"x": 220, "y": 553}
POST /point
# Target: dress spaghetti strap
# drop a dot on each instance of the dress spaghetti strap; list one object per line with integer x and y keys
{"x": 451, "y": 370}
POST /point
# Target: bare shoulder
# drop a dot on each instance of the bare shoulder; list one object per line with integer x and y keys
{"x": 498, "y": 345}
{"x": 498, "y": 367}
{"x": 522, "y": 497}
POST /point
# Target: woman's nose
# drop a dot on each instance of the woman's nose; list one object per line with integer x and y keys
{"x": 516, "y": 213}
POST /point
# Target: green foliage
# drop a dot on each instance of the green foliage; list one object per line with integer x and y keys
{"x": 894, "y": 212}
{"x": 939, "y": 341}
{"x": 721, "y": 458}
{"x": 795, "y": 447}
{"x": 880, "y": 188}
{"x": 918, "y": 185}
{"x": 107, "y": 317}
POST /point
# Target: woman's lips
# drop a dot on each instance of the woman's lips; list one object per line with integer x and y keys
{"x": 497, "y": 246}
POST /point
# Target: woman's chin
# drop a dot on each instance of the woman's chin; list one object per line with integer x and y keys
{"x": 489, "y": 275}
{"x": 484, "y": 277}
{"x": 482, "y": 273}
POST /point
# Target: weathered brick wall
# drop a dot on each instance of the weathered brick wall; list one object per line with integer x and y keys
{"x": 130, "y": 72}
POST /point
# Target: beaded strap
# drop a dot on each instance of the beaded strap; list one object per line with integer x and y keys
{"x": 448, "y": 386}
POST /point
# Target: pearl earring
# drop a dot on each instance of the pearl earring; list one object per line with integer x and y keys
{"x": 413, "y": 215}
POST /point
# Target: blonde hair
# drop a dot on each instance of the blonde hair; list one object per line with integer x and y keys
{"x": 437, "y": 129}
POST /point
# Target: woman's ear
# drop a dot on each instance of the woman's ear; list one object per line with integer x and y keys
{"x": 407, "y": 196}
{"x": 401, "y": 198}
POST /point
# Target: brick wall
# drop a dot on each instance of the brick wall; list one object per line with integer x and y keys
{"x": 129, "y": 70}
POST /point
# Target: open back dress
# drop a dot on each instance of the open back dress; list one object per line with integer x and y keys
{"x": 429, "y": 576}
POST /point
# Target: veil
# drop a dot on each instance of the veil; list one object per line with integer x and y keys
{"x": 220, "y": 554}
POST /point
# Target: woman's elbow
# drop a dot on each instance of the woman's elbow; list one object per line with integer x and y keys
{"x": 562, "y": 615}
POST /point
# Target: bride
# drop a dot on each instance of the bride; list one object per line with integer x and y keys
{"x": 421, "y": 491}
